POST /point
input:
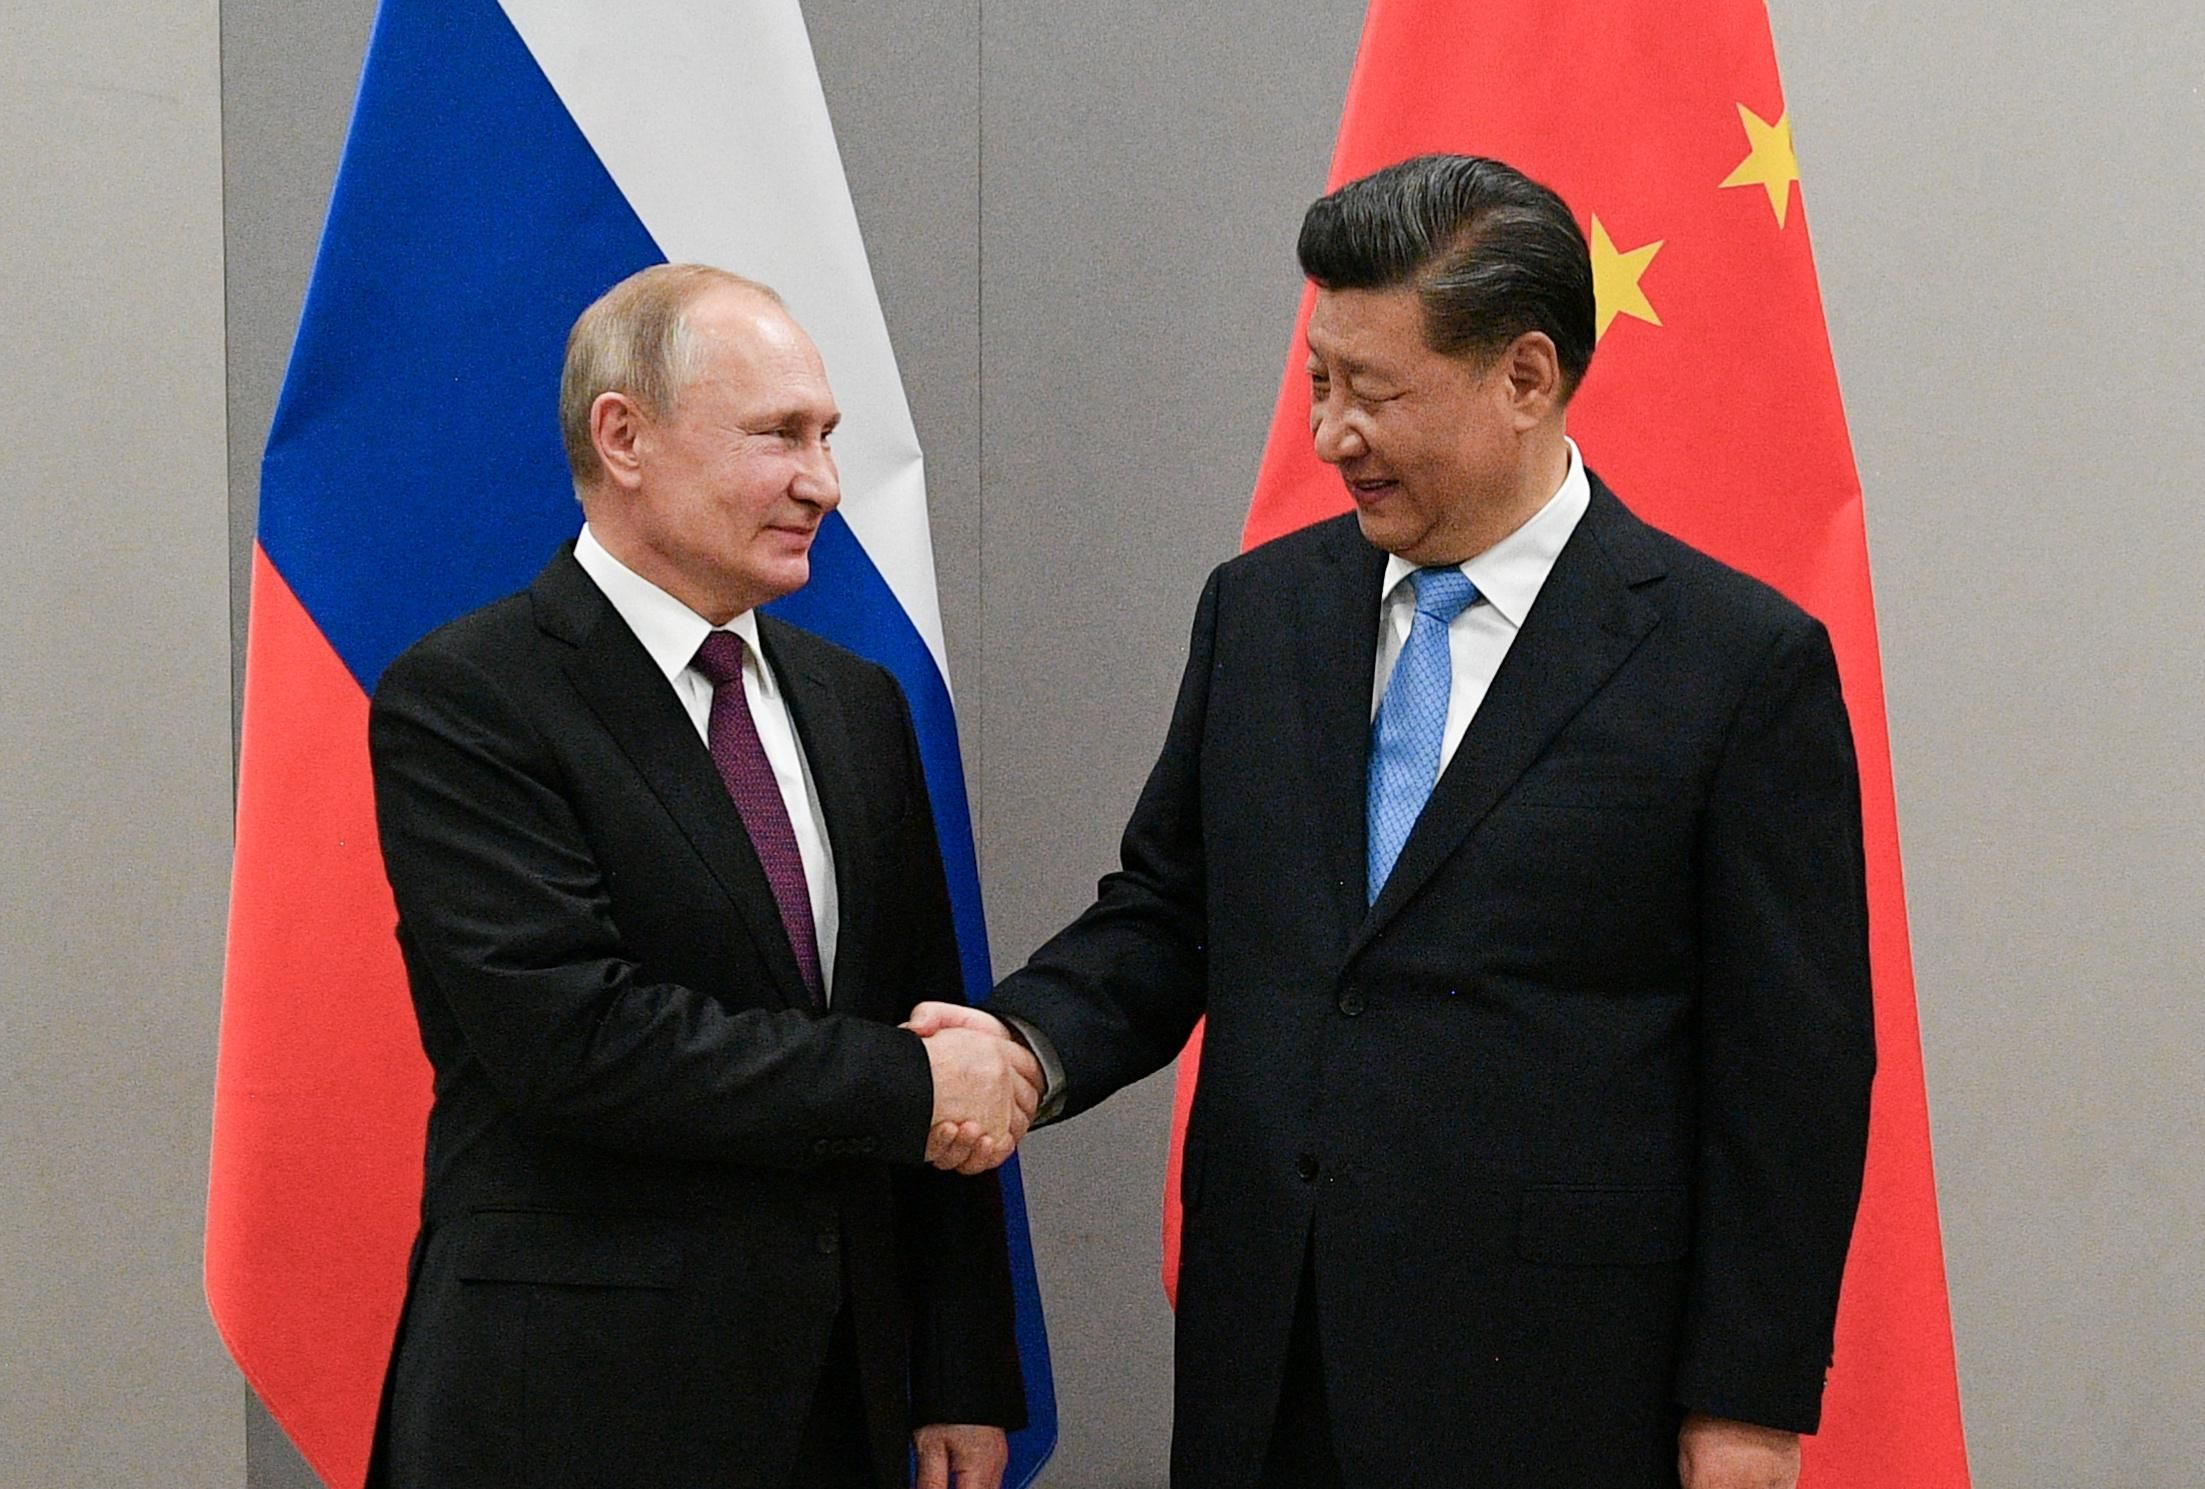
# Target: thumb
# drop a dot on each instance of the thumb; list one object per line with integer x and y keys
{"x": 931, "y": 1018}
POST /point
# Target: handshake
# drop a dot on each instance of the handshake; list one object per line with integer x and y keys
{"x": 987, "y": 1085}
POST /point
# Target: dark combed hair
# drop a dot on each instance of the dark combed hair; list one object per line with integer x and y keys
{"x": 1491, "y": 253}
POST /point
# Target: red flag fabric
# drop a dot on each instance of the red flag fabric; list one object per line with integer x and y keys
{"x": 1712, "y": 407}
{"x": 321, "y": 1089}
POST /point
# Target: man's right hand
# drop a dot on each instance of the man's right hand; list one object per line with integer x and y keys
{"x": 986, "y": 1087}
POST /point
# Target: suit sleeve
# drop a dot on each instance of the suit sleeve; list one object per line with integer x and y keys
{"x": 1118, "y": 991}
{"x": 503, "y": 914}
{"x": 1786, "y": 1046}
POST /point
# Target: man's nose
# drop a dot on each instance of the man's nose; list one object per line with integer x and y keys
{"x": 817, "y": 481}
{"x": 1336, "y": 438}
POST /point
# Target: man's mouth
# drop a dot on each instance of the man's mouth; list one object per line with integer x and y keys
{"x": 1368, "y": 489}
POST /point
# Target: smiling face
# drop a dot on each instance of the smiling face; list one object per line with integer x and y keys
{"x": 718, "y": 500}
{"x": 1443, "y": 455}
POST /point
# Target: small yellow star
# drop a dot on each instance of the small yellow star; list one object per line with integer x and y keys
{"x": 1770, "y": 162}
{"x": 1615, "y": 281}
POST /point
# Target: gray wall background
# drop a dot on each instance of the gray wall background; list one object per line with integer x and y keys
{"x": 114, "y": 742}
{"x": 1081, "y": 221}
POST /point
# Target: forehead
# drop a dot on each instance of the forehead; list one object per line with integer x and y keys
{"x": 753, "y": 353}
{"x": 1356, "y": 329}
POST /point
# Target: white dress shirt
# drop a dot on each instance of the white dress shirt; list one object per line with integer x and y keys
{"x": 671, "y": 632}
{"x": 1508, "y": 576}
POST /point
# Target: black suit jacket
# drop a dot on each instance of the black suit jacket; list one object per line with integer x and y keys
{"x": 654, "y": 1174}
{"x": 1571, "y": 1122}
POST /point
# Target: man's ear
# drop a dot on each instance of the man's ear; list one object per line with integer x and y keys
{"x": 1533, "y": 373}
{"x": 617, "y": 425}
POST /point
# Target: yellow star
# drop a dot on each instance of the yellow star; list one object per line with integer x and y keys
{"x": 1771, "y": 162}
{"x": 1615, "y": 281}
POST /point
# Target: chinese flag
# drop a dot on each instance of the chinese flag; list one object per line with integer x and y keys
{"x": 1712, "y": 407}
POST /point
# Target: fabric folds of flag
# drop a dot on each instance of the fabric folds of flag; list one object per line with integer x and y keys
{"x": 503, "y": 168}
{"x": 1713, "y": 407}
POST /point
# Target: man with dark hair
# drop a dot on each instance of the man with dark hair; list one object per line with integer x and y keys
{"x": 1512, "y": 849}
{"x": 1490, "y": 252}
{"x": 667, "y": 881}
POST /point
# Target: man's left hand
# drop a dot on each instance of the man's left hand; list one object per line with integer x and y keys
{"x": 1716, "y": 1453}
{"x": 977, "y": 1456}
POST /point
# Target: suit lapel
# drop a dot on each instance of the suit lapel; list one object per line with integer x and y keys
{"x": 1339, "y": 644}
{"x": 623, "y": 687}
{"x": 825, "y": 736}
{"x": 1587, "y": 620}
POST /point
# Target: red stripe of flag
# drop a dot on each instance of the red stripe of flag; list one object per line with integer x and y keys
{"x": 321, "y": 1089}
{"x": 1712, "y": 407}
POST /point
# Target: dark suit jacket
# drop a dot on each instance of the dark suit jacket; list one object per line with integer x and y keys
{"x": 1571, "y": 1122}
{"x": 654, "y": 1176}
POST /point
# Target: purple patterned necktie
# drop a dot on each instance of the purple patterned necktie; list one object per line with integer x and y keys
{"x": 733, "y": 740}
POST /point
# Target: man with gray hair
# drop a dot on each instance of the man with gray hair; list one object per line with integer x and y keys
{"x": 667, "y": 882}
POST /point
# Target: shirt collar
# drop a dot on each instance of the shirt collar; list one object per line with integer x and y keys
{"x": 1510, "y": 574}
{"x": 669, "y": 630}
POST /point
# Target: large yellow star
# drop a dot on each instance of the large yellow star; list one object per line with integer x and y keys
{"x": 1615, "y": 281}
{"x": 1770, "y": 162}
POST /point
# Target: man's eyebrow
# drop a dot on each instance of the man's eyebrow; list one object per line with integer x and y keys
{"x": 1362, "y": 372}
{"x": 780, "y": 415}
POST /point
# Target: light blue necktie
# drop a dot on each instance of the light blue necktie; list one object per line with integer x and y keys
{"x": 1412, "y": 719}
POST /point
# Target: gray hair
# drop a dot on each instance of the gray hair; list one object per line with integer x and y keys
{"x": 635, "y": 339}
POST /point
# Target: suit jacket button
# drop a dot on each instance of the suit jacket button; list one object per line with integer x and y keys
{"x": 1351, "y": 1002}
{"x": 828, "y": 1242}
{"x": 1306, "y": 1166}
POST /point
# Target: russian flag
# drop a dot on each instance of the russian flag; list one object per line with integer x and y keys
{"x": 508, "y": 161}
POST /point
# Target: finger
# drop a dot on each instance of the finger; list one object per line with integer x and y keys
{"x": 928, "y": 1017}
{"x": 932, "y": 1018}
{"x": 958, "y": 1151}
{"x": 989, "y": 1154}
{"x": 933, "y": 1456}
{"x": 978, "y": 1456}
{"x": 938, "y": 1140}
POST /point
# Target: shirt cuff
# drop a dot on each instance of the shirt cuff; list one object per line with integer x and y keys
{"x": 1052, "y": 1068}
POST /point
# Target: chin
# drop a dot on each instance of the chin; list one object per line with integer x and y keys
{"x": 1381, "y": 532}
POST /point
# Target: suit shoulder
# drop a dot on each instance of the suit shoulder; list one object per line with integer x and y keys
{"x": 835, "y": 665}
{"x": 1705, "y": 585}
{"x": 1290, "y": 553}
{"x": 487, "y": 639}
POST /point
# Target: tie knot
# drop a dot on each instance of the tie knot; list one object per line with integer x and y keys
{"x": 1443, "y": 594}
{"x": 720, "y": 659}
